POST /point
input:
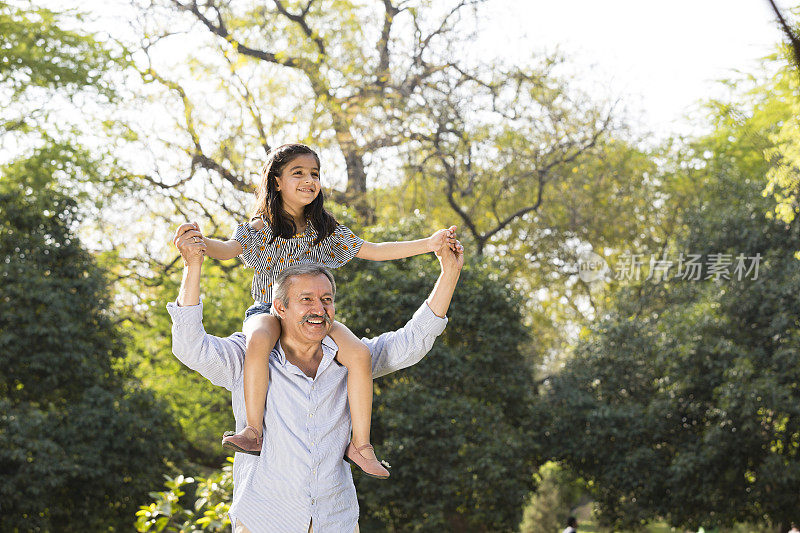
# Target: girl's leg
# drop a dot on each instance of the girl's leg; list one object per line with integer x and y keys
{"x": 355, "y": 356}
{"x": 262, "y": 332}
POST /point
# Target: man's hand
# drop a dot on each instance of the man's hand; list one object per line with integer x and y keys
{"x": 441, "y": 238}
{"x": 190, "y": 244}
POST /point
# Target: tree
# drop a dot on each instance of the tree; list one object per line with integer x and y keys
{"x": 39, "y": 54}
{"x": 46, "y": 70}
{"x": 789, "y": 33}
{"x": 81, "y": 443}
{"x": 682, "y": 402}
{"x": 782, "y": 148}
{"x": 359, "y": 79}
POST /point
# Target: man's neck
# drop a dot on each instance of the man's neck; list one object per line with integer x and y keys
{"x": 303, "y": 354}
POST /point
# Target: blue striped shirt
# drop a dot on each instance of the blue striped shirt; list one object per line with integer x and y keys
{"x": 270, "y": 259}
{"x": 300, "y": 475}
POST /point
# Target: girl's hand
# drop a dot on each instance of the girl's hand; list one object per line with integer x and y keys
{"x": 190, "y": 244}
{"x": 443, "y": 237}
{"x": 451, "y": 260}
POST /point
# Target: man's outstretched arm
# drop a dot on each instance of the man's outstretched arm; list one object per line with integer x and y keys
{"x": 451, "y": 264}
{"x": 408, "y": 345}
{"x": 218, "y": 360}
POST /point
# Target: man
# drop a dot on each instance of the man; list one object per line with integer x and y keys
{"x": 300, "y": 482}
{"x": 572, "y": 525}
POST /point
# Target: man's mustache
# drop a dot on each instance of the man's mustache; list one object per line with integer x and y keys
{"x": 314, "y": 316}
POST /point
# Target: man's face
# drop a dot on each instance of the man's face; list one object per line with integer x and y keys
{"x": 310, "y": 312}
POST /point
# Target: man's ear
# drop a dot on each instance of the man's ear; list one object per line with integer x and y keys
{"x": 277, "y": 305}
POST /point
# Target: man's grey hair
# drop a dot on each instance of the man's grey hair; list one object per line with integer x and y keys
{"x": 283, "y": 282}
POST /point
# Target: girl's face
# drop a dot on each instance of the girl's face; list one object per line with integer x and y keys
{"x": 298, "y": 182}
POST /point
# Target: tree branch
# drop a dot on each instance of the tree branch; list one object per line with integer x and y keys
{"x": 303, "y": 23}
{"x": 199, "y": 158}
{"x": 220, "y": 30}
{"x": 794, "y": 42}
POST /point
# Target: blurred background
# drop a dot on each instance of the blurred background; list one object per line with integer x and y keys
{"x": 624, "y": 343}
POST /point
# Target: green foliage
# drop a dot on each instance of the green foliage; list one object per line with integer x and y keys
{"x": 78, "y": 438}
{"x": 38, "y": 52}
{"x": 209, "y": 505}
{"x": 39, "y": 60}
{"x": 558, "y": 494}
{"x": 53, "y": 83}
{"x": 779, "y": 111}
{"x": 683, "y": 402}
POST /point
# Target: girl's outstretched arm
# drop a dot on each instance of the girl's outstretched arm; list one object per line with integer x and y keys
{"x": 387, "y": 251}
{"x": 222, "y": 250}
{"x": 217, "y": 249}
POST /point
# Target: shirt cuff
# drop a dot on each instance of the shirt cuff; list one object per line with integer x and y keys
{"x": 427, "y": 320}
{"x": 185, "y": 314}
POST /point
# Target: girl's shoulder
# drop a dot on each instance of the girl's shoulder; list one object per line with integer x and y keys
{"x": 255, "y": 228}
{"x": 344, "y": 231}
{"x": 257, "y": 224}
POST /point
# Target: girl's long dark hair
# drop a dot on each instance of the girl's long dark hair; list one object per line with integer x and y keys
{"x": 269, "y": 203}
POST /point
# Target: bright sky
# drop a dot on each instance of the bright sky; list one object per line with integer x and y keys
{"x": 661, "y": 57}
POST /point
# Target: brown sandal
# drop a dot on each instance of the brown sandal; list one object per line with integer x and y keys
{"x": 371, "y": 467}
{"x": 241, "y": 442}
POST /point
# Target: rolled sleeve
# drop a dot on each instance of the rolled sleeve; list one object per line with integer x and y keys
{"x": 219, "y": 360}
{"x": 408, "y": 345}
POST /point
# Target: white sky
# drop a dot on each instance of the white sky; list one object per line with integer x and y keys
{"x": 660, "y": 57}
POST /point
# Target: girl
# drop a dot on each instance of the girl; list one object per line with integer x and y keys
{"x": 291, "y": 225}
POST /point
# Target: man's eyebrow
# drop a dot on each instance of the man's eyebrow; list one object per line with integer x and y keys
{"x": 309, "y": 293}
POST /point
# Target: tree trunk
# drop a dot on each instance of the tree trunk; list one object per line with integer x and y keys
{"x": 356, "y": 191}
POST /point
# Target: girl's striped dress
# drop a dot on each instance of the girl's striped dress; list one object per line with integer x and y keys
{"x": 268, "y": 260}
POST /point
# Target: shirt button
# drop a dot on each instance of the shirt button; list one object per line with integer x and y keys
{"x": 313, "y": 501}
{"x": 310, "y": 415}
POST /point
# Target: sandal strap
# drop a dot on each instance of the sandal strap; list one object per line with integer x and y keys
{"x": 364, "y": 447}
{"x": 255, "y": 432}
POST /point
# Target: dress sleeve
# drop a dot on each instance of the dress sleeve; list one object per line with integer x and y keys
{"x": 342, "y": 246}
{"x": 246, "y": 236}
